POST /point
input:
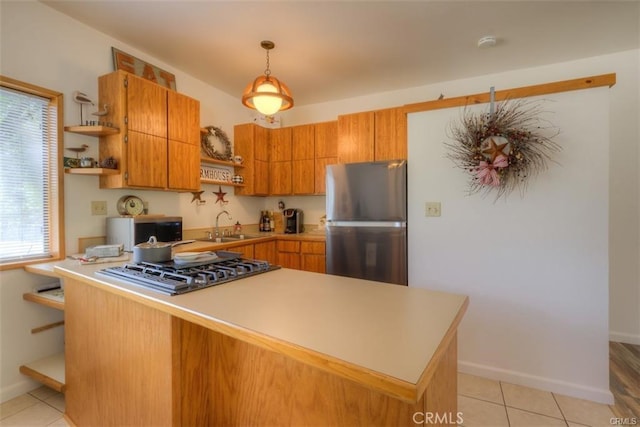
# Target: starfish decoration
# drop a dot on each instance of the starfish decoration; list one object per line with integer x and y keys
{"x": 196, "y": 197}
{"x": 494, "y": 150}
{"x": 220, "y": 195}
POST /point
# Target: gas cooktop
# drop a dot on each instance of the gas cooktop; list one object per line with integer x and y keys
{"x": 172, "y": 278}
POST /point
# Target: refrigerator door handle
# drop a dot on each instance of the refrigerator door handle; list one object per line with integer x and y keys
{"x": 382, "y": 224}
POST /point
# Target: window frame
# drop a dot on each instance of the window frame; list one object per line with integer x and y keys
{"x": 56, "y": 210}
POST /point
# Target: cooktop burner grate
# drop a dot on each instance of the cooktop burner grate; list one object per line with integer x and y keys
{"x": 173, "y": 279}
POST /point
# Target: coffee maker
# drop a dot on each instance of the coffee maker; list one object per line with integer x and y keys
{"x": 292, "y": 221}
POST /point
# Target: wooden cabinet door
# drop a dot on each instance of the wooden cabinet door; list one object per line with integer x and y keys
{"x": 303, "y": 176}
{"x": 146, "y": 106}
{"x": 266, "y": 251}
{"x": 245, "y": 250}
{"x": 320, "y": 172}
{"x": 147, "y": 160}
{"x": 289, "y": 253}
{"x": 289, "y": 260}
{"x": 261, "y": 143}
{"x": 184, "y": 142}
{"x": 356, "y": 137}
{"x": 280, "y": 178}
{"x": 261, "y": 176}
{"x": 243, "y": 137}
{"x": 303, "y": 142}
{"x": 313, "y": 262}
{"x": 251, "y": 142}
{"x": 326, "y": 153}
{"x": 303, "y": 165}
{"x": 183, "y": 118}
{"x": 183, "y": 166}
{"x": 313, "y": 256}
{"x": 280, "y": 161}
{"x": 280, "y": 145}
{"x": 326, "y": 139}
{"x": 390, "y": 134}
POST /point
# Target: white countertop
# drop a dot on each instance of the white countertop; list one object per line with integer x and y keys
{"x": 387, "y": 330}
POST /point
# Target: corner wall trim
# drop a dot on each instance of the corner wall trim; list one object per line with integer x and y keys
{"x": 520, "y": 92}
{"x": 624, "y": 337}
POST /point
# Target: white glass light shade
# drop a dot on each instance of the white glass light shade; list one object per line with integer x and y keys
{"x": 267, "y": 104}
{"x": 267, "y": 95}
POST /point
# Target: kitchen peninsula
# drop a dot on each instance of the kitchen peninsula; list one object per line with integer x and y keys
{"x": 286, "y": 347}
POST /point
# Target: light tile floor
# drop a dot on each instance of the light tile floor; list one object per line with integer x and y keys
{"x": 483, "y": 402}
{"x": 40, "y": 407}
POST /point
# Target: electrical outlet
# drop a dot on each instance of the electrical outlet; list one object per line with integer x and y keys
{"x": 432, "y": 209}
{"x": 98, "y": 208}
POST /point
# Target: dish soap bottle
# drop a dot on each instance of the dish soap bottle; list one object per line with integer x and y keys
{"x": 237, "y": 229}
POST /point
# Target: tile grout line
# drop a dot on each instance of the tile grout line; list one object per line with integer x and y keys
{"x": 564, "y": 417}
{"x": 45, "y": 402}
{"x": 480, "y": 399}
{"x": 504, "y": 403}
{"x": 537, "y": 413}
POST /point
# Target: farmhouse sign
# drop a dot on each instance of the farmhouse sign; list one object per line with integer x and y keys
{"x": 215, "y": 174}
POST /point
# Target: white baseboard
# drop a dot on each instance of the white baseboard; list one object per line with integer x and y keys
{"x": 548, "y": 384}
{"x": 624, "y": 337}
{"x": 18, "y": 389}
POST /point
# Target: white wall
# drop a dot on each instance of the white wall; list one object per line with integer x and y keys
{"x": 535, "y": 267}
{"x": 43, "y": 47}
{"x": 622, "y": 180}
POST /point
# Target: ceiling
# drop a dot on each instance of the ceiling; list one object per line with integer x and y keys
{"x": 329, "y": 50}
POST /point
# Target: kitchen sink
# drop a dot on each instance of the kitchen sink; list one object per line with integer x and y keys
{"x": 228, "y": 239}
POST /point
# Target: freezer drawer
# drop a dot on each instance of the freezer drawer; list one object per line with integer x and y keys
{"x": 371, "y": 253}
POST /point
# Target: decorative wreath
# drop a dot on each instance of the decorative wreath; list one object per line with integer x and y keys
{"x": 502, "y": 150}
{"x": 215, "y": 144}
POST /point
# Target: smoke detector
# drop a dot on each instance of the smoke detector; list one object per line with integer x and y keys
{"x": 487, "y": 41}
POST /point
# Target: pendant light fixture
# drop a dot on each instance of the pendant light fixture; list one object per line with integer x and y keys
{"x": 266, "y": 93}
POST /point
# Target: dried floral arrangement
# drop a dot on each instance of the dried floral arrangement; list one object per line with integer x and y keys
{"x": 502, "y": 150}
{"x": 216, "y": 144}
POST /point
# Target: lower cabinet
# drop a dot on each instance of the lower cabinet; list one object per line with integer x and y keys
{"x": 302, "y": 255}
{"x": 247, "y": 251}
{"x": 289, "y": 253}
{"x": 266, "y": 251}
{"x": 312, "y": 256}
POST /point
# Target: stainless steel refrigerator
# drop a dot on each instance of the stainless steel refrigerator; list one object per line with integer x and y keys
{"x": 367, "y": 221}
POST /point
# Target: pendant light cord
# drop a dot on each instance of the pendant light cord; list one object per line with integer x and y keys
{"x": 267, "y": 72}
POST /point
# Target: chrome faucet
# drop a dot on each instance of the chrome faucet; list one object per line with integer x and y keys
{"x": 217, "y": 220}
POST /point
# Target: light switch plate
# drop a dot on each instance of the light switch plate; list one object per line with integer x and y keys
{"x": 98, "y": 208}
{"x": 432, "y": 209}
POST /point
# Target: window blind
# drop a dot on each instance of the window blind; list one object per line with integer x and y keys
{"x": 28, "y": 170}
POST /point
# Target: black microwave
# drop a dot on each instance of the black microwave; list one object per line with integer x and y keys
{"x": 131, "y": 230}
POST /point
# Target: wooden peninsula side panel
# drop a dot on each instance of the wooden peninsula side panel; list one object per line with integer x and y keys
{"x": 119, "y": 360}
{"x": 131, "y": 364}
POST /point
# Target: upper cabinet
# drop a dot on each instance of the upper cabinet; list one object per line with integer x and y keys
{"x": 372, "y": 135}
{"x": 303, "y": 155}
{"x": 184, "y": 141}
{"x": 293, "y": 160}
{"x": 390, "y": 134}
{"x": 325, "y": 153}
{"x": 159, "y": 143}
{"x": 356, "y": 137}
{"x": 280, "y": 161}
{"x": 252, "y": 143}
